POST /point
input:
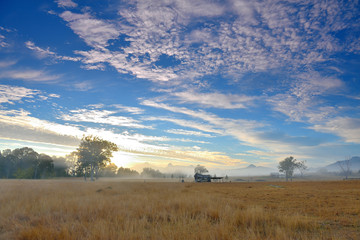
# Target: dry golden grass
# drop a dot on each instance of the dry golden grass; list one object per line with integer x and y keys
{"x": 57, "y": 209}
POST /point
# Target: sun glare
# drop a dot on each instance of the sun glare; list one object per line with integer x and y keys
{"x": 123, "y": 159}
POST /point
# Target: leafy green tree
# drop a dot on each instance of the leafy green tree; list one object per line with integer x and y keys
{"x": 288, "y": 166}
{"x": 200, "y": 169}
{"x": 93, "y": 153}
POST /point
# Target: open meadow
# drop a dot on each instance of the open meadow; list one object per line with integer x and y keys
{"x": 73, "y": 209}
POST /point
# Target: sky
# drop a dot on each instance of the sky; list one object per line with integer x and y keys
{"x": 224, "y": 84}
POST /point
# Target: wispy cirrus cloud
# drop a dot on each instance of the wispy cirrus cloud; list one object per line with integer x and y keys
{"x": 203, "y": 38}
{"x": 249, "y": 133}
{"x": 3, "y": 42}
{"x": 132, "y": 110}
{"x": 30, "y": 75}
{"x": 11, "y": 94}
{"x": 215, "y": 99}
{"x": 243, "y": 130}
{"x": 189, "y": 133}
{"x": 43, "y": 53}
{"x": 304, "y": 99}
{"x": 16, "y": 94}
{"x": 102, "y": 116}
{"x": 66, "y": 3}
{"x": 345, "y": 127}
{"x": 18, "y": 124}
{"x": 95, "y": 32}
{"x": 6, "y": 64}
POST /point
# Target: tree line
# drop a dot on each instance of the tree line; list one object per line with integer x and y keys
{"x": 91, "y": 160}
{"x": 27, "y": 163}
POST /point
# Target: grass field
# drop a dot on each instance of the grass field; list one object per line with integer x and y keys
{"x": 72, "y": 209}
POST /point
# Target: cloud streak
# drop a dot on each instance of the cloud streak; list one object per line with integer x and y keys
{"x": 102, "y": 116}
{"x": 30, "y": 75}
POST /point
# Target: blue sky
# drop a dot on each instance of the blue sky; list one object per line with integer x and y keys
{"x": 224, "y": 84}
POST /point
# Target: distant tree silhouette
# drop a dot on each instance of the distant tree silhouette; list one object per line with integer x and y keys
{"x": 149, "y": 172}
{"x": 200, "y": 169}
{"x": 302, "y": 167}
{"x": 126, "y": 172}
{"x": 345, "y": 167}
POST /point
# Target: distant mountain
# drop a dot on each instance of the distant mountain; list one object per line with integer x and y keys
{"x": 251, "y": 170}
{"x": 251, "y": 166}
{"x": 335, "y": 167}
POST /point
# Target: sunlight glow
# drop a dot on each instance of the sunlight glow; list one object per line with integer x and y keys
{"x": 123, "y": 159}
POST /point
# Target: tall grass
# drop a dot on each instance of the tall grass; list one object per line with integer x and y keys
{"x": 57, "y": 209}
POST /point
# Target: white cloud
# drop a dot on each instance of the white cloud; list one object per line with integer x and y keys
{"x": 18, "y": 124}
{"x": 345, "y": 127}
{"x": 215, "y": 100}
{"x": 133, "y": 110}
{"x": 303, "y": 100}
{"x": 66, "y": 3}
{"x": 189, "y": 133}
{"x": 102, "y": 116}
{"x": 3, "y": 43}
{"x": 53, "y": 95}
{"x": 186, "y": 123}
{"x": 29, "y": 75}
{"x": 96, "y": 33}
{"x": 5, "y": 64}
{"x": 40, "y": 52}
{"x": 11, "y": 94}
{"x": 44, "y": 53}
{"x": 83, "y": 86}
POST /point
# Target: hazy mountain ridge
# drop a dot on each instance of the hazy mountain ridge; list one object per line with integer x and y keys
{"x": 335, "y": 167}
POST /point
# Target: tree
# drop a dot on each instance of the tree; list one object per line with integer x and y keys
{"x": 94, "y": 153}
{"x": 345, "y": 167}
{"x": 302, "y": 167}
{"x": 27, "y": 161}
{"x": 200, "y": 169}
{"x": 9, "y": 165}
{"x": 44, "y": 167}
{"x": 288, "y": 165}
{"x": 149, "y": 172}
{"x": 73, "y": 165}
{"x": 127, "y": 172}
{"x": 109, "y": 170}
